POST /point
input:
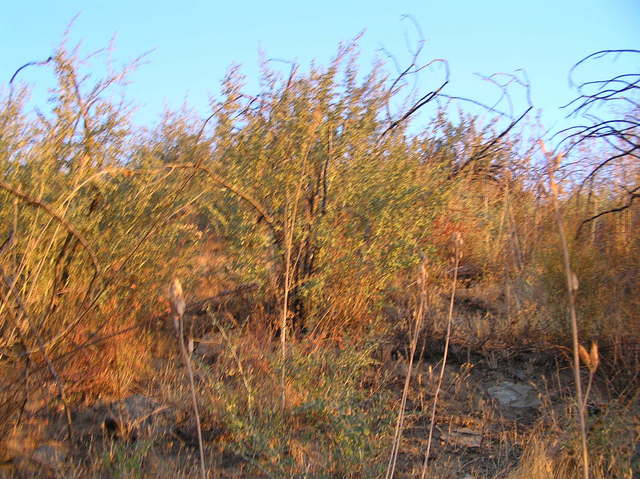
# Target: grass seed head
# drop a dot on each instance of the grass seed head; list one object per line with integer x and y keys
{"x": 176, "y": 298}
{"x": 574, "y": 282}
{"x": 590, "y": 359}
{"x": 594, "y": 356}
{"x": 584, "y": 356}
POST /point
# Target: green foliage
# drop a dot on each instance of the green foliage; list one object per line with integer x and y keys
{"x": 92, "y": 217}
{"x": 309, "y": 150}
{"x": 124, "y": 460}
{"x": 332, "y": 428}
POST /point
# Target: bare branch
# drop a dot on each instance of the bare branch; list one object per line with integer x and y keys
{"x": 621, "y": 135}
{"x": 44, "y": 62}
{"x": 60, "y": 219}
{"x": 246, "y": 197}
{"x": 632, "y": 196}
{"x": 490, "y": 144}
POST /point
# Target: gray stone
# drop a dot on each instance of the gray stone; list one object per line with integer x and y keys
{"x": 516, "y": 395}
{"x": 210, "y": 347}
{"x": 134, "y": 414}
{"x": 52, "y": 455}
{"x": 464, "y": 437}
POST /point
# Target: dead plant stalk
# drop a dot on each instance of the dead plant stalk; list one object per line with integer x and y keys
{"x": 572, "y": 286}
{"x": 419, "y": 315}
{"x": 290, "y": 214}
{"x": 178, "y": 306}
{"x": 457, "y": 240}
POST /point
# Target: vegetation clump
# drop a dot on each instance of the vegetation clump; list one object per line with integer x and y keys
{"x": 318, "y": 238}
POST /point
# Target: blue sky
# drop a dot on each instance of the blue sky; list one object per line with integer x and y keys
{"x": 193, "y": 44}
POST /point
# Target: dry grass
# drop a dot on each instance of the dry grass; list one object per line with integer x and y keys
{"x": 97, "y": 220}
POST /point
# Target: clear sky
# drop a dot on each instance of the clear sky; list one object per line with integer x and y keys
{"x": 194, "y": 42}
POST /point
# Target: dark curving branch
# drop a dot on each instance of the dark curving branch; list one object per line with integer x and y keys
{"x": 621, "y": 134}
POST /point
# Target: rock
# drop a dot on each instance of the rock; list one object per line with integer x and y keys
{"x": 515, "y": 395}
{"x": 51, "y": 454}
{"x": 464, "y": 437}
{"x": 24, "y": 439}
{"x": 44, "y": 461}
{"x": 210, "y": 348}
{"x": 137, "y": 413}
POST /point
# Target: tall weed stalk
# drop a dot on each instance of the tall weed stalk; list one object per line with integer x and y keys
{"x": 419, "y": 315}
{"x": 553, "y": 164}
{"x": 457, "y": 240}
{"x": 178, "y": 306}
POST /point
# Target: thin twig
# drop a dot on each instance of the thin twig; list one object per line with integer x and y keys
{"x": 60, "y": 219}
